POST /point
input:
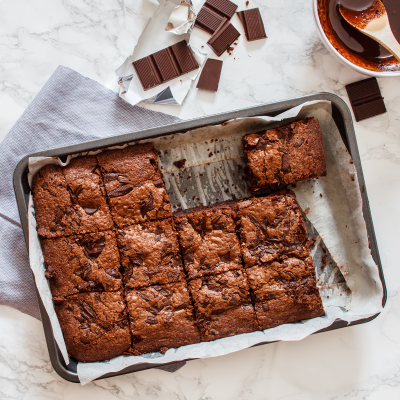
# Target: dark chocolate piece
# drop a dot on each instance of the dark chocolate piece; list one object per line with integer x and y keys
{"x": 209, "y": 78}
{"x": 165, "y": 65}
{"x": 223, "y": 37}
{"x": 223, "y": 7}
{"x": 366, "y": 99}
{"x": 253, "y": 24}
{"x": 208, "y": 20}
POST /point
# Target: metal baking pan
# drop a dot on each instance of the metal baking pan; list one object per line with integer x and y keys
{"x": 342, "y": 117}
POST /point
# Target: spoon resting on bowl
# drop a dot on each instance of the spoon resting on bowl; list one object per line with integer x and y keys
{"x": 373, "y": 22}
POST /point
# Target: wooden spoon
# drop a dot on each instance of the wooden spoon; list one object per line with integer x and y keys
{"x": 373, "y": 22}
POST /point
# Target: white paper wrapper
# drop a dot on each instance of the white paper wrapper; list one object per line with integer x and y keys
{"x": 153, "y": 38}
{"x": 349, "y": 284}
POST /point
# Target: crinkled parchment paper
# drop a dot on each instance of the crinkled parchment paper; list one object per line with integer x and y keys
{"x": 349, "y": 283}
{"x": 179, "y": 17}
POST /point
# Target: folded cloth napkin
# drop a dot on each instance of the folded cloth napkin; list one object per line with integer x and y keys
{"x": 69, "y": 109}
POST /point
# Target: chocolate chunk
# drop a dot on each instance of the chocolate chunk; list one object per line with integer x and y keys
{"x": 115, "y": 176}
{"x": 128, "y": 274}
{"x": 286, "y": 163}
{"x": 158, "y": 233}
{"x": 217, "y": 224}
{"x": 188, "y": 258}
{"x": 151, "y": 320}
{"x": 120, "y": 191}
{"x": 252, "y": 24}
{"x": 146, "y": 205}
{"x": 75, "y": 193}
{"x": 202, "y": 259}
{"x": 86, "y": 311}
{"x": 136, "y": 338}
{"x": 167, "y": 64}
{"x": 286, "y": 226}
{"x": 180, "y": 163}
{"x": 210, "y": 75}
{"x": 89, "y": 210}
{"x": 366, "y": 99}
{"x": 290, "y": 274}
{"x": 225, "y": 258}
{"x": 223, "y": 37}
{"x": 283, "y": 150}
{"x": 214, "y": 288}
{"x": 165, "y": 292}
{"x": 299, "y": 142}
{"x": 278, "y": 219}
{"x": 122, "y": 324}
{"x": 154, "y": 310}
{"x": 182, "y": 306}
{"x": 92, "y": 248}
{"x": 265, "y": 306}
{"x": 159, "y": 183}
{"x": 137, "y": 260}
{"x": 143, "y": 296}
{"x": 113, "y": 273}
{"x": 167, "y": 250}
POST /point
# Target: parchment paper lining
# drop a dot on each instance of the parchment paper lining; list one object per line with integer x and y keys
{"x": 349, "y": 284}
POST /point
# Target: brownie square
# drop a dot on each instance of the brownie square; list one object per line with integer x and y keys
{"x": 285, "y": 154}
{"x": 271, "y": 227}
{"x": 94, "y": 325}
{"x": 208, "y": 240}
{"x": 134, "y": 185}
{"x": 150, "y": 254}
{"x": 285, "y": 291}
{"x": 161, "y": 317}
{"x": 70, "y": 200}
{"x": 82, "y": 263}
{"x": 223, "y": 305}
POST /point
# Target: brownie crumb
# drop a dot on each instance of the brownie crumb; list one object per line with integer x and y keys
{"x": 180, "y": 163}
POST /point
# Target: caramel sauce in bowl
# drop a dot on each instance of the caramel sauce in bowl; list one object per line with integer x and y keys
{"x": 352, "y": 48}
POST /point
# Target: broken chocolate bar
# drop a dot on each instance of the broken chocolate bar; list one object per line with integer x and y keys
{"x": 212, "y": 14}
{"x": 252, "y": 24}
{"x": 223, "y": 37}
{"x": 366, "y": 99}
{"x": 165, "y": 65}
{"x": 209, "y": 78}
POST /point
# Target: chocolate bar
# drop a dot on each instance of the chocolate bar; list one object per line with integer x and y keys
{"x": 252, "y": 24}
{"x": 212, "y": 14}
{"x": 209, "y": 78}
{"x": 366, "y": 99}
{"x": 166, "y": 64}
{"x": 223, "y": 37}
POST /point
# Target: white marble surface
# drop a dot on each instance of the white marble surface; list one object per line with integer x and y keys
{"x": 93, "y": 37}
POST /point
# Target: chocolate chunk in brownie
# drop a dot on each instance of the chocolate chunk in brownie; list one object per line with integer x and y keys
{"x": 208, "y": 240}
{"x": 285, "y": 154}
{"x": 82, "y": 263}
{"x": 134, "y": 185}
{"x": 285, "y": 292}
{"x": 271, "y": 227}
{"x": 95, "y": 325}
{"x": 161, "y": 317}
{"x": 70, "y": 200}
{"x": 150, "y": 254}
{"x": 223, "y": 305}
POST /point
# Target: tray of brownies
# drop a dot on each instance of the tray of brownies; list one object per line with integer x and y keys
{"x": 200, "y": 238}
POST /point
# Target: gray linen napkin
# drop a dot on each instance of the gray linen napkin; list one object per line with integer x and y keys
{"x": 69, "y": 109}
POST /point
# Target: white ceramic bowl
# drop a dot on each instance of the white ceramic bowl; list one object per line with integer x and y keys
{"x": 339, "y": 57}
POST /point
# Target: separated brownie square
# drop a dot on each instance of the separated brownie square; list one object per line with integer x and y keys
{"x": 223, "y": 305}
{"x": 285, "y": 291}
{"x": 150, "y": 254}
{"x": 161, "y": 317}
{"x": 82, "y": 263}
{"x": 285, "y": 154}
{"x": 208, "y": 240}
{"x": 94, "y": 325}
{"x": 70, "y": 200}
{"x": 134, "y": 185}
{"x": 271, "y": 227}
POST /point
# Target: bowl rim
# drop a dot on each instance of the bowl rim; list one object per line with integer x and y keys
{"x": 342, "y": 59}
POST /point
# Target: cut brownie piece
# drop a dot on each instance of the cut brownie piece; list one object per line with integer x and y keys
{"x": 150, "y": 254}
{"x": 285, "y": 155}
{"x": 70, "y": 200}
{"x": 161, "y": 317}
{"x": 94, "y": 325}
{"x": 223, "y": 305}
{"x": 82, "y": 263}
{"x": 285, "y": 292}
{"x": 208, "y": 240}
{"x": 271, "y": 227}
{"x": 134, "y": 186}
